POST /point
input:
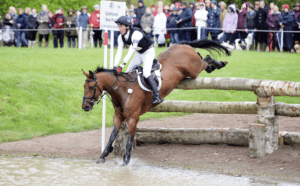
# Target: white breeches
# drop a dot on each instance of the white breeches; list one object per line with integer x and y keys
{"x": 147, "y": 58}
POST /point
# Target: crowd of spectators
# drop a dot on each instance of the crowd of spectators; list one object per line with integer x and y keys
{"x": 168, "y": 24}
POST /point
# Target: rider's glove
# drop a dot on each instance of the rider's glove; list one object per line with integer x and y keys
{"x": 117, "y": 70}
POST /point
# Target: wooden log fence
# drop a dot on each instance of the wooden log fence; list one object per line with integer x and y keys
{"x": 262, "y": 136}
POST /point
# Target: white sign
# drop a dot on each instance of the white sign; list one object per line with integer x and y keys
{"x": 110, "y": 11}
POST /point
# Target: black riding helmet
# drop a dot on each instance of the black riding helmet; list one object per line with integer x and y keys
{"x": 123, "y": 20}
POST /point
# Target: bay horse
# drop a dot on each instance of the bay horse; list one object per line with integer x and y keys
{"x": 178, "y": 62}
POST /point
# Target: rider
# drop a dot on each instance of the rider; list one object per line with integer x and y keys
{"x": 141, "y": 43}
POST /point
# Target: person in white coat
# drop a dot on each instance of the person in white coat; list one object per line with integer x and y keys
{"x": 160, "y": 27}
{"x": 201, "y": 18}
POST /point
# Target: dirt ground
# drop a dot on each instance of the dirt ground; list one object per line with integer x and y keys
{"x": 284, "y": 164}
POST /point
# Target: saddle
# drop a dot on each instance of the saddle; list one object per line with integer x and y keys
{"x": 155, "y": 71}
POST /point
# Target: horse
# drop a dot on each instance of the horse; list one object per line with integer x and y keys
{"x": 178, "y": 62}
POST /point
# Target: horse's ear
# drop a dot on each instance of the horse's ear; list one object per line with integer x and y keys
{"x": 91, "y": 75}
{"x": 84, "y": 73}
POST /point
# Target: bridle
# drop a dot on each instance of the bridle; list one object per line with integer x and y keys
{"x": 93, "y": 98}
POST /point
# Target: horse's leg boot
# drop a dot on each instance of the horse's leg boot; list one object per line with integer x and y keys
{"x": 126, "y": 158}
{"x": 216, "y": 64}
{"x": 210, "y": 69}
{"x": 109, "y": 147}
{"x": 156, "y": 97}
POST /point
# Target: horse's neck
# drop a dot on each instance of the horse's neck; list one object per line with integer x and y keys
{"x": 112, "y": 86}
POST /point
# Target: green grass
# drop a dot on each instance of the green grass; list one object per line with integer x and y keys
{"x": 41, "y": 90}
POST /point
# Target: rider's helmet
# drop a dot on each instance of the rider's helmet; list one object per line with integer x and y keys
{"x": 123, "y": 20}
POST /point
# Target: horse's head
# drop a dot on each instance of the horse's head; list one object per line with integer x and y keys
{"x": 92, "y": 91}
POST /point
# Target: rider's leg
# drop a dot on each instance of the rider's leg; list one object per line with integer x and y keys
{"x": 148, "y": 58}
{"x": 136, "y": 61}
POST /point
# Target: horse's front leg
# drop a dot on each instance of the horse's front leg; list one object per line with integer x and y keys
{"x": 109, "y": 148}
{"x": 132, "y": 123}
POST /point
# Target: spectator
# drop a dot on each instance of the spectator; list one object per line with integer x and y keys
{"x": 201, "y": 18}
{"x": 264, "y": 6}
{"x": 192, "y": 6}
{"x": 13, "y": 14}
{"x": 296, "y": 26}
{"x": 167, "y": 11}
{"x": 286, "y": 21}
{"x": 95, "y": 24}
{"x": 83, "y": 21}
{"x": 256, "y": 5}
{"x": 147, "y": 22}
{"x": 271, "y": 8}
{"x": 21, "y": 23}
{"x": 178, "y": 5}
{"x": 222, "y": 5}
{"x": 59, "y": 19}
{"x": 154, "y": 11}
{"x": 272, "y": 22}
{"x": 241, "y": 20}
{"x": 171, "y": 23}
{"x": 132, "y": 6}
{"x": 1, "y": 25}
{"x": 172, "y": 7}
{"x": 207, "y": 4}
{"x": 70, "y": 24}
{"x": 230, "y": 24}
{"x": 140, "y": 10}
{"x": 133, "y": 18}
{"x": 185, "y": 21}
{"x": 32, "y": 24}
{"x": 43, "y": 20}
{"x": 159, "y": 26}
{"x": 261, "y": 36}
{"x": 213, "y": 20}
{"x": 250, "y": 22}
{"x": 7, "y": 20}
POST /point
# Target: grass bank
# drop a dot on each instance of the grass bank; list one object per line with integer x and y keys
{"x": 41, "y": 90}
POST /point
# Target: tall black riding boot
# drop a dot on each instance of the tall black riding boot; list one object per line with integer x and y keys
{"x": 215, "y": 63}
{"x": 156, "y": 97}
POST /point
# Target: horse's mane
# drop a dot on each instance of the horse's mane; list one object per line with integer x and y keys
{"x": 101, "y": 69}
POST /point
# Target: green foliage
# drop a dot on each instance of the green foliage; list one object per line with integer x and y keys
{"x": 41, "y": 89}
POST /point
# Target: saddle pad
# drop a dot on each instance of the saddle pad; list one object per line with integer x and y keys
{"x": 143, "y": 82}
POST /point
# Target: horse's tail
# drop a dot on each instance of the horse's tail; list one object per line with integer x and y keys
{"x": 208, "y": 45}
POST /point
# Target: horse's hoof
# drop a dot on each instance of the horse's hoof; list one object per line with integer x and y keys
{"x": 124, "y": 164}
{"x": 100, "y": 160}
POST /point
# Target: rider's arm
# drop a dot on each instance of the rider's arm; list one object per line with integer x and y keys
{"x": 136, "y": 37}
{"x": 119, "y": 51}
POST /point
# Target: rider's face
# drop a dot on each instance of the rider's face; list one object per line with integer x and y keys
{"x": 122, "y": 29}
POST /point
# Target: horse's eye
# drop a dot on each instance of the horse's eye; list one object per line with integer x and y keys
{"x": 92, "y": 88}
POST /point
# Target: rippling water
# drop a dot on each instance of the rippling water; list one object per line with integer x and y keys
{"x": 48, "y": 171}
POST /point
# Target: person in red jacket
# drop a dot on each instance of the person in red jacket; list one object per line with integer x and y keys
{"x": 95, "y": 24}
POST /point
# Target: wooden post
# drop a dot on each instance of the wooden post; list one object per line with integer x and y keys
{"x": 121, "y": 139}
{"x": 266, "y": 117}
{"x": 257, "y": 140}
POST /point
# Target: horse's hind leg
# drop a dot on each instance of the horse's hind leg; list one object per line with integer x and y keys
{"x": 213, "y": 62}
{"x": 109, "y": 148}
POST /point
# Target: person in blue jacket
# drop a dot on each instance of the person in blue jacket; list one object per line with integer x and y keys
{"x": 21, "y": 23}
{"x": 286, "y": 21}
{"x": 213, "y": 20}
{"x": 185, "y": 21}
{"x": 171, "y": 23}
